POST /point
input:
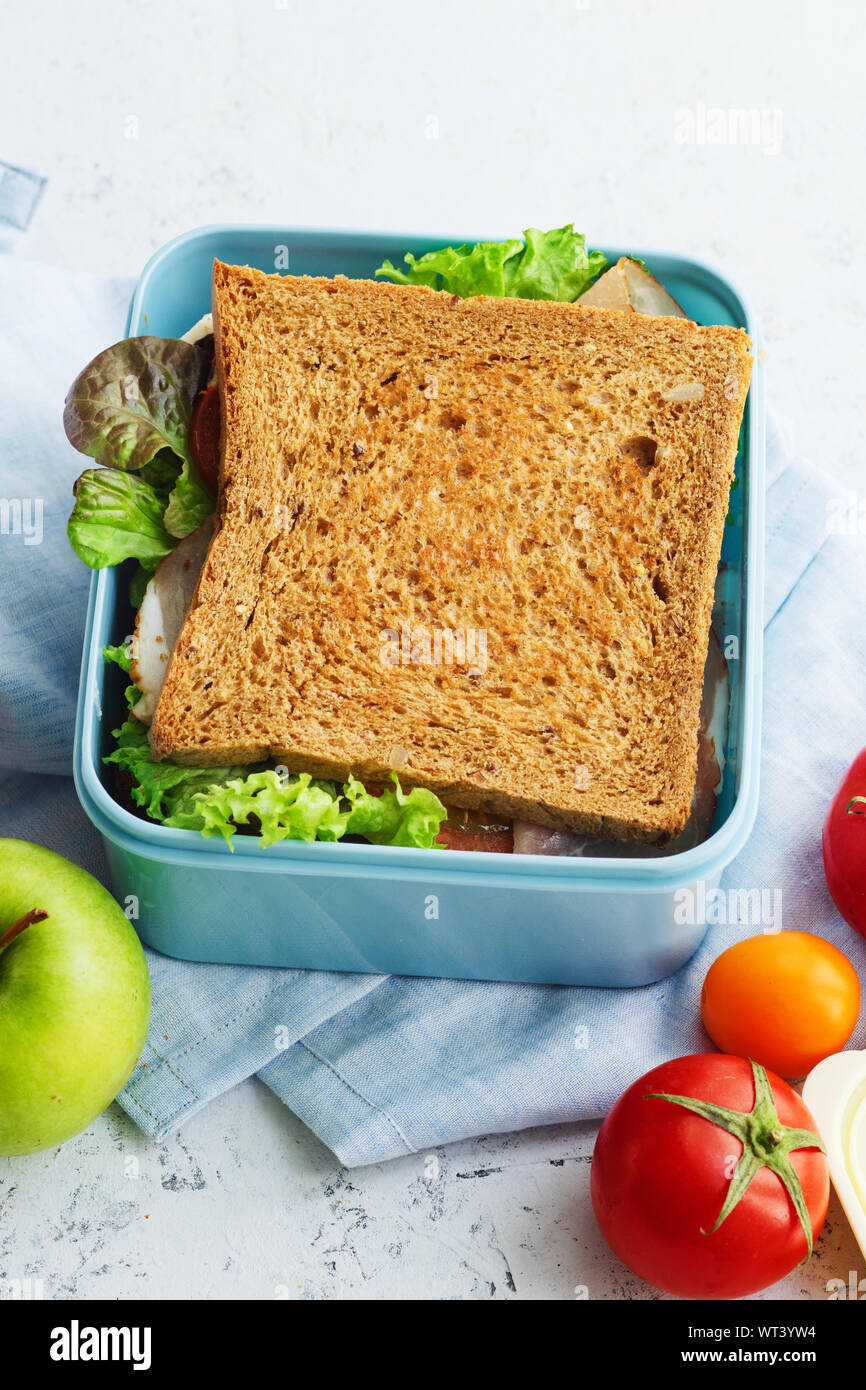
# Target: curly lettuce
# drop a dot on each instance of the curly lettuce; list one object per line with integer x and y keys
{"x": 218, "y": 800}
{"x": 396, "y": 817}
{"x": 544, "y": 265}
{"x": 120, "y": 655}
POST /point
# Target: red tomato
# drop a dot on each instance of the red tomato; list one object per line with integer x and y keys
{"x": 845, "y": 846}
{"x": 205, "y": 436}
{"x": 661, "y": 1173}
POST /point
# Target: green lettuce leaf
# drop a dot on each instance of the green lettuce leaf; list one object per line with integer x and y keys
{"x": 162, "y": 473}
{"x": 287, "y": 808}
{"x": 189, "y": 504}
{"x": 160, "y": 788}
{"x": 117, "y": 517}
{"x": 216, "y": 800}
{"x": 135, "y": 399}
{"x": 119, "y": 655}
{"x": 463, "y": 270}
{"x": 545, "y": 265}
{"x": 396, "y": 817}
{"x": 299, "y": 808}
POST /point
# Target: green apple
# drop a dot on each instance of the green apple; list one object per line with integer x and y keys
{"x": 74, "y": 998}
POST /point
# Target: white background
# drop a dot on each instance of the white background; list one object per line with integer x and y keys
{"x": 149, "y": 117}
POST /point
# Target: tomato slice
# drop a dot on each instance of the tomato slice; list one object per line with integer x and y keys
{"x": 205, "y": 436}
{"x": 472, "y": 830}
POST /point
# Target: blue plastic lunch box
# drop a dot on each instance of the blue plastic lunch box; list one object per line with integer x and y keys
{"x": 590, "y": 921}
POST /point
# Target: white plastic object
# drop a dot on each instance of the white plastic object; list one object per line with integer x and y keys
{"x": 835, "y": 1093}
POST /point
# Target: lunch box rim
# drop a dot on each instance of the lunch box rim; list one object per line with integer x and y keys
{"x": 187, "y": 848}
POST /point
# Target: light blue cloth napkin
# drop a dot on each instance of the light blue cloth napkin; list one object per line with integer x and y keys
{"x": 381, "y": 1066}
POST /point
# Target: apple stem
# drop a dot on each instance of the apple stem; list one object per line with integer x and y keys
{"x": 36, "y": 914}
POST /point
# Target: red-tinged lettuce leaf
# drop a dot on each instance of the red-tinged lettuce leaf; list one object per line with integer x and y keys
{"x": 135, "y": 399}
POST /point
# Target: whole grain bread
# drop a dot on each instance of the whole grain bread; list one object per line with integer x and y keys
{"x": 548, "y": 480}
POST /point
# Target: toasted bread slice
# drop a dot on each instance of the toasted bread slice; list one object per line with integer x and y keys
{"x": 473, "y": 541}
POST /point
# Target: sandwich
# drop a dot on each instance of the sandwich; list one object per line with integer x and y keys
{"x": 425, "y": 560}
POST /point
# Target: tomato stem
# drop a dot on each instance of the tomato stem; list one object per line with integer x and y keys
{"x": 766, "y": 1143}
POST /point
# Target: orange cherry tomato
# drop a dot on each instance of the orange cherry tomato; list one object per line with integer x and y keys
{"x": 787, "y": 1000}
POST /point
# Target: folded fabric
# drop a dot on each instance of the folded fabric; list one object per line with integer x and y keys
{"x": 381, "y": 1066}
{"x": 53, "y": 322}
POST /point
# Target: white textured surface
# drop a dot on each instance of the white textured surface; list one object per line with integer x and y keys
{"x": 450, "y": 117}
{"x": 245, "y": 1203}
